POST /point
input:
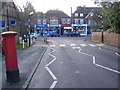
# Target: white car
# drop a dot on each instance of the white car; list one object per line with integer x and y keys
{"x": 33, "y": 36}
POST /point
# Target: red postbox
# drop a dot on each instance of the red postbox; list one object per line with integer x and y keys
{"x": 9, "y": 48}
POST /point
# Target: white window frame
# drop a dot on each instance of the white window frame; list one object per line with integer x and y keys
{"x": 92, "y": 14}
{"x": 81, "y": 21}
{"x": 81, "y": 14}
{"x": 76, "y": 15}
{"x": 68, "y": 21}
{"x": 76, "y": 21}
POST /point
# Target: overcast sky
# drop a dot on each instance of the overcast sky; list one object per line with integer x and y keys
{"x": 64, "y": 5}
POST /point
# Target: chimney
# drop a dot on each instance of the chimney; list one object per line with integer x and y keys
{"x": 84, "y": 8}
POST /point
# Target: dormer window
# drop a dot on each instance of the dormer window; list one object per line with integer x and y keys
{"x": 81, "y": 14}
{"x": 76, "y": 14}
{"x": 92, "y": 14}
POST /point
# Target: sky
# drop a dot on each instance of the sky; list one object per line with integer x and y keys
{"x": 64, "y": 5}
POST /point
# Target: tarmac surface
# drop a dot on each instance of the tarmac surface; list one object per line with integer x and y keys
{"x": 29, "y": 60}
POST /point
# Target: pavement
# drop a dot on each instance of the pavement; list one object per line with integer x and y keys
{"x": 105, "y": 46}
{"x": 28, "y": 60}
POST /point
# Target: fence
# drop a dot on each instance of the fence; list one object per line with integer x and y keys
{"x": 107, "y": 38}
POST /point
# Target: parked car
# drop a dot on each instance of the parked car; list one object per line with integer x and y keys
{"x": 54, "y": 35}
{"x": 33, "y": 36}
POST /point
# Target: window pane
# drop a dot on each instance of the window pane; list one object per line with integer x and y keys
{"x": 81, "y": 14}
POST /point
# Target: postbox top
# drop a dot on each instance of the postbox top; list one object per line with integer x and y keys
{"x": 9, "y": 33}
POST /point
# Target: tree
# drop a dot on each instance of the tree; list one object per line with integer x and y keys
{"x": 111, "y": 10}
{"x": 24, "y": 15}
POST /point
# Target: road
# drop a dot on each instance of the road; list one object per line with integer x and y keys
{"x": 71, "y": 62}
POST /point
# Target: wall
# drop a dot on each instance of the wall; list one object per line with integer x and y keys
{"x": 108, "y": 38}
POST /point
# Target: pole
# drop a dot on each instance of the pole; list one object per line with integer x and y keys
{"x": 7, "y": 20}
{"x": 29, "y": 30}
{"x": 44, "y": 35}
{"x": 102, "y": 32}
{"x": 71, "y": 19}
{"x": 86, "y": 29}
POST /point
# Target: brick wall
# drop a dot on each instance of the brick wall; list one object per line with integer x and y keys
{"x": 108, "y": 38}
{"x": 97, "y": 36}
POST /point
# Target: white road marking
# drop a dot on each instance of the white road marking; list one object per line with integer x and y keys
{"x": 80, "y": 50}
{"x": 108, "y": 68}
{"x": 51, "y": 73}
{"x": 77, "y": 72}
{"x": 61, "y": 62}
{"x": 117, "y": 53}
{"x": 52, "y": 60}
{"x": 53, "y": 85}
{"x": 93, "y": 59}
{"x": 52, "y": 45}
{"x": 86, "y": 54}
{"x": 92, "y": 45}
{"x": 73, "y": 45}
{"x": 83, "y": 45}
{"x": 99, "y": 64}
{"x": 62, "y": 45}
{"x": 99, "y": 47}
{"x": 76, "y": 47}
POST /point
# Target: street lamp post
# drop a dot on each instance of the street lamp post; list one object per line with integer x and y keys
{"x": 102, "y": 37}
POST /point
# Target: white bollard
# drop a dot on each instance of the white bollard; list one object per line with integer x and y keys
{"x": 23, "y": 43}
{"x": 28, "y": 42}
{"x": 31, "y": 41}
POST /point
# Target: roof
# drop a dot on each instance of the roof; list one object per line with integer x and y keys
{"x": 56, "y": 13}
{"x": 87, "y": 10}
{"x": 53, "y": 13}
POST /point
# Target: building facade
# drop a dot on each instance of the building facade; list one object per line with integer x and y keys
{"x": 86, "y": 16}
{"x": 80, "y": 22}
{"x": 10, "y": 20}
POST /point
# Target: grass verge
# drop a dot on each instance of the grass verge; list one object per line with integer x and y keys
{"x": 20, "y": 46}
{"x": 96, "y": 41}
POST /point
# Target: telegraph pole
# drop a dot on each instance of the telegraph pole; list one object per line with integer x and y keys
{"x": 29, "y": 26}
{"x": 7, "y": 20}
{"x": 71, "y": 18}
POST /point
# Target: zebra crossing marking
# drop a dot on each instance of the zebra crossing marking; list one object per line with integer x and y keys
{"x": 62, "y": 45}
{"x": 73, "y": 45}
{"x": 83, "y": 45}
{"x": 52, "y": 45}
{"x": 92, "y": 45}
